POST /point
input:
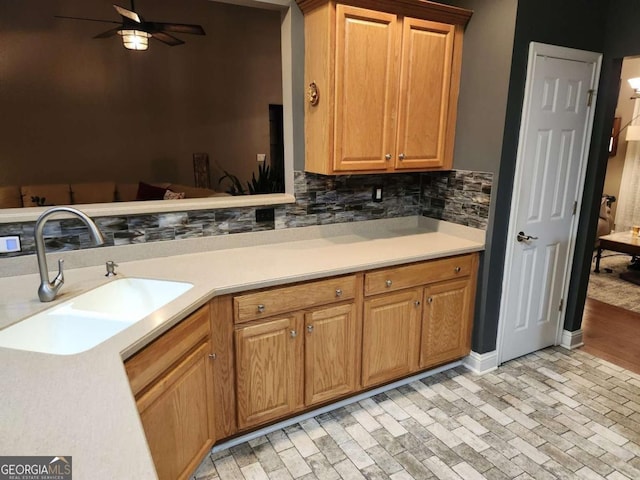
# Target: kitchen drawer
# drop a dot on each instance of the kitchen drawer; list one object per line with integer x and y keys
{"x": 406, "y": 276}
{"x": 154, "y": 359}
{"x": 266, "y": 303}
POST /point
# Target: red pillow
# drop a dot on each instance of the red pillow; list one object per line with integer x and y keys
{"x": 150, "y": 192}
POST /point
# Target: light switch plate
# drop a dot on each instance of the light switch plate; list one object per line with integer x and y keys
{"x": 376, "y": 194}
{"x": 10, "y": 244}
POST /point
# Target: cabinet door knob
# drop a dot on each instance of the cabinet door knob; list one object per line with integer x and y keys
{"x": 310, "y": 328}
{"x": 417, "y": 303}
{"x": 401, "y": 156}
{"x": 261, "y": 308}
{"x": 293, "y": 334}
{"x": 388, "y": 283}
{"x": 430, "y": 299}
{"x": 338, "y": 292}
{"x": 457, "y": 269}
{"x": 387, "y": 157}
{"x": 212, "y": 356}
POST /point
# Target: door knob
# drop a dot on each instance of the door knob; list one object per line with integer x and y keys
{"x": 525, "y": 238}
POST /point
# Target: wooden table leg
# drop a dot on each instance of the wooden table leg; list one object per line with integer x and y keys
{"x": 598, "y": 257}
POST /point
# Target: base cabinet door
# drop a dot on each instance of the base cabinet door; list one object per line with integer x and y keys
{"x": 332, "y": 352}
{"x": 390, "y": 336}
{"x": 269, "y": 358}
{"x": 446, "y": 322}
{"x": 177, "y": 416}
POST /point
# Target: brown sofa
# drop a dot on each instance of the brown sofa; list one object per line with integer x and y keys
{"x": 93, "y": 192}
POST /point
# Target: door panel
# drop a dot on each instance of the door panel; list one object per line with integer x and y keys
{"x": 549, "y": 176}
{"x": 331, "y": 353}
{"x": 390, "y": 336}
{"x": 366, "y": 88}
{"x": 425, "y": 84}
{"x": 446, "y": 321}
{"x": 269, "y": 370}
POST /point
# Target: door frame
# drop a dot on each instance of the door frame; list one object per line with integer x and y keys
{"x": 542, "y": 49}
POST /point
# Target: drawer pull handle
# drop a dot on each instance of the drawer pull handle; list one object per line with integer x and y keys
{"x": 261, "y": 308}
{"x": 417, "y": 303}
{"x": 338, "y": 292}
{"x": 212, "y": 356}
{"x": 293, "y": 334}
{"x": 457, "y": 269}
{"x": 310, "y": 328}
{"x": 430, "y": 299}
{"x": 388, "y": 283}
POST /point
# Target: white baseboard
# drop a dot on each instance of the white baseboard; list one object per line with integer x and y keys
{"x": 571, "y": 340}
{"x": 480, "y": 363}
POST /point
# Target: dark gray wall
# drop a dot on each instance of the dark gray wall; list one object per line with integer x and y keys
{"x": 621, "y": 39}
{"x": 486, "y": 64}
{"x": 570, "y": 23}
{"x": 486, "y": 67}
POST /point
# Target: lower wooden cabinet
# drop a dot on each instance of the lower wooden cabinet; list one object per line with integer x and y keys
{"x": 269, "y": 370}
{"x": 446, "y": 322}
{"x": 390, "y": 336}
{"x": 331, "y": 353}
{"x": 172, "y": 380}
{"x": 292, "y": 362}
{"x": 343, "y": 335}
{"x": 414, "y": 326}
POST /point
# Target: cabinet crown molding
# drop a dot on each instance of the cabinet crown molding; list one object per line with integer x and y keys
{"x": 422, "y": 9}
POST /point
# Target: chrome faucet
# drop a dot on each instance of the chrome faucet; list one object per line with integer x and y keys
{"x": 48, "y": 290}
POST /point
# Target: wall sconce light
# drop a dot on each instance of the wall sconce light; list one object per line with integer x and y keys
{"x": 135, "y": 39}
{"x": 635, "y": 84}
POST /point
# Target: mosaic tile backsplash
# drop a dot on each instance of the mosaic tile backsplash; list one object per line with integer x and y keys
{"x": 457, "y": 196}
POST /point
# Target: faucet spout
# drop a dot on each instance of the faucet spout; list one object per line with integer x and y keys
{"x": 49, "y": 289}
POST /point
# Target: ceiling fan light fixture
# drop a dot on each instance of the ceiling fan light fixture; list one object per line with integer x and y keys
{"x": 135, "y": 39}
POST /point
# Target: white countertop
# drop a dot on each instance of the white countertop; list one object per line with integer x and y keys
{"x": 81, "y": 405}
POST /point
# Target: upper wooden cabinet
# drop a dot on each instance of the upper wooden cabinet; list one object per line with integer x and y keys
{"x": 383, "y": 80}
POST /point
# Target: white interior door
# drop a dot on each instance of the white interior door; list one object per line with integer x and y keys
{"x": 552, "y": 152}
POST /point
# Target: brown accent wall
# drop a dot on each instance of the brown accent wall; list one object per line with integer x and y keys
{"x": 77, "y": 109}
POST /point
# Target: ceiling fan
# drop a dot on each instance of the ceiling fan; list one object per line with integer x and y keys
{"x": 135, "y": 31}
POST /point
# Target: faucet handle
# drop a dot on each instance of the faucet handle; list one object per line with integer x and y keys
{"x": 59, "y": 280}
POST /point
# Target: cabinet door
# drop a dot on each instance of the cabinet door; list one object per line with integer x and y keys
{"x": 446, "y": 327}
{"x": 331, "y": 353}
{"x": 269, "y": 370}
{"x": 367, "y": 43}
{"x": 390, "y": 336}
{"x": 177, "y": 416}
{"x": 425, "y": 88}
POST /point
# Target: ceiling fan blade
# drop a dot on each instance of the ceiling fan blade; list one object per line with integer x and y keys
{"x": 178, "y": 28}
{"x": 166, "y": 38}
{"x": 87, "y": 19}
{"x": 109, "y": 33}
{"x": 128, "y": 14}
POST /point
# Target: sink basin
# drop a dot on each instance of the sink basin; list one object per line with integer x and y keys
{"x": 91, "y": 318}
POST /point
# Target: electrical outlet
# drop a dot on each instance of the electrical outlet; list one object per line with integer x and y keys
{"x": 261, "y": 157}
{"x": 265, "y": 215}
{"x": 10, "y": 244}
{"x": 376, "y": 194}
